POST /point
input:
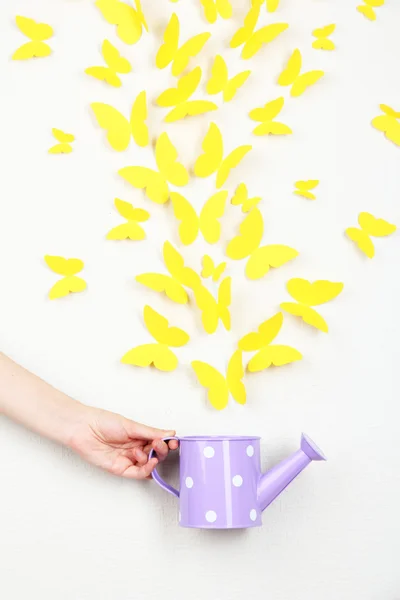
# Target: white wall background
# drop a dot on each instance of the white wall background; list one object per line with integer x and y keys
{"x": 70, "y": 532}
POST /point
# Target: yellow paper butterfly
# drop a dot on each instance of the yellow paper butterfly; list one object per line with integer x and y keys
{"x": 119, "y": 129}
{"x": 156, "y": 183}
{"x": 213, "y": 8}
{"x": 370, "y": 226}
{"x": 241, "y": 198}
{"x": 309, "y": 294}
{"x": 247, "y": 244}
{"x": 64, "y": 139}
{"x": 303, "y": 188}
{"x": 212, "y": 311}
{"x": 388, "y": 123}
{"x": 179, "y": 98}
{"x": 207, "y": 222}
{"x": 158, "y": 354}
{"x": 115, "y": 64}
{"x": 37, "y": 33}
{"x": 218, "y": 386}
{"x": 170, "y": 52}
{"x": 367, "y": 9}
{"x": 220, "y": 82}
{"x": 271, "y": 5}
{"x": 172, "y": 285}
{"x": 254, "y": 40}
{"x": 210, "y": 269}
{"x": 128, "y": 20}
{"x": 265, "y": 115}
{"x": 291, "y": 75}
{"x": 68, "y": 268}
{"x": 322, "y": 42}
{"x": 212, "y": 160}
{"x": 268, "y": 354}
{"x": 130, "y": 230}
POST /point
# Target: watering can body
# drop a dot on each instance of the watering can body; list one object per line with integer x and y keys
{"x": 221, "y": 484}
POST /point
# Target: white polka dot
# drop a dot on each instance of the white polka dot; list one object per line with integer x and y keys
{"x": 250, "y": 450}
{"x": 189, "y": 482}
{"x": 211, "y": 516}
{"x": 208, "y": 451}
{"x": 237, "y": 480}
{"x": 253, "y": 514}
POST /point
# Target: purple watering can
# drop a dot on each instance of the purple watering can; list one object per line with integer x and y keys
{"x": 221, "y": 484}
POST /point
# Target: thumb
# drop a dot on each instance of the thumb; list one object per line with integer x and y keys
{"x": 147, "y": 433}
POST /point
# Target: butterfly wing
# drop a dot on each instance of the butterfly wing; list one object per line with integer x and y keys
{"x": 261, "y": 38}
{"x": 32, "y": 50}
{"x": 169, "y": 48}
{"x": 158, "y": 354}
{"x": 276, "y": 355}
{"x": 104, "y": 74}
{"x": 158, "y": 327}
{"x": 224, "y": 8}
{"x": 186, "y": 86}
{"x": 210, "y": 10}
{"x": 224, "y": 302}
{"x": 163, "y": 283}
{"x": 234, "y": 376}
{"x": 214, "y": 382}
{"x": 245, "y": 32}
{"x": 362, "y": 239}
{"x": 139, "y": 127}
{"x": 211, "y": 159}
{"x": 64, "y": 266}
{"x": 267, "y": 332}
{"x": 188, "y": 50}
{"x": 112, "y": 121}
{"x": 166, "y": 158}
{"x": 190, "y": 109}
{"x": 213, "y": 210}
{"x": 234, "y": 84}
{"x": 375, "y": 227}
{"x": 130, "y": 213}
{"x": 323, "y": 44}
{"x": 272, "y": 5}
{"x": 60, "y": 149}
{"x": 309, "y": 315}
{"x": 206, "y": 302}
{"x": 230, "y": 162}
{"x": 269, "y": 111}
{"x": 305, "y": 81}
{"x": 273, "y": 255}
{"x": 61, "y": 136}
{"x": 249, "y": 238}
{"x": 219, "y": 76}
{"x": 152, "y": 182}
{"x": 367, "y": 11}
{"x": 189, "y": 221}
{"x": 114, "y": 59}
{"x": 67, "y": 285}
{"x": 38, "y": 32}
{"x": 313, "y": 294}
{"x": 272, "y": 128}
{"x": 292, "y": 69}
{"x": 127, "y": 231}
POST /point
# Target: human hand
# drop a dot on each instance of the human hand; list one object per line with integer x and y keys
{"x": 119, "y": 445}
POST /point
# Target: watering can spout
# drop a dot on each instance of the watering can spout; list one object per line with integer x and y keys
{"x": 272, "y": 483}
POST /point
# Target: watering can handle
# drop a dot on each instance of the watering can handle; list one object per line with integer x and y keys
{"x": 156, "y": 476}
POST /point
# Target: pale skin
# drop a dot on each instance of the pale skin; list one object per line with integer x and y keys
{"x": 102, "y": 438}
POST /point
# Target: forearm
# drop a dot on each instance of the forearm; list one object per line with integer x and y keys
{"x": 30, "y": 401}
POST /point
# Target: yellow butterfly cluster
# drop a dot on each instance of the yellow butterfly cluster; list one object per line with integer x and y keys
{"x": 180, "y": 283}
{"x": 37, "y": 33}
{"x": 389, "y": 123}
{"x": 367, "y": 8}
{"x": 64, "y": 142}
